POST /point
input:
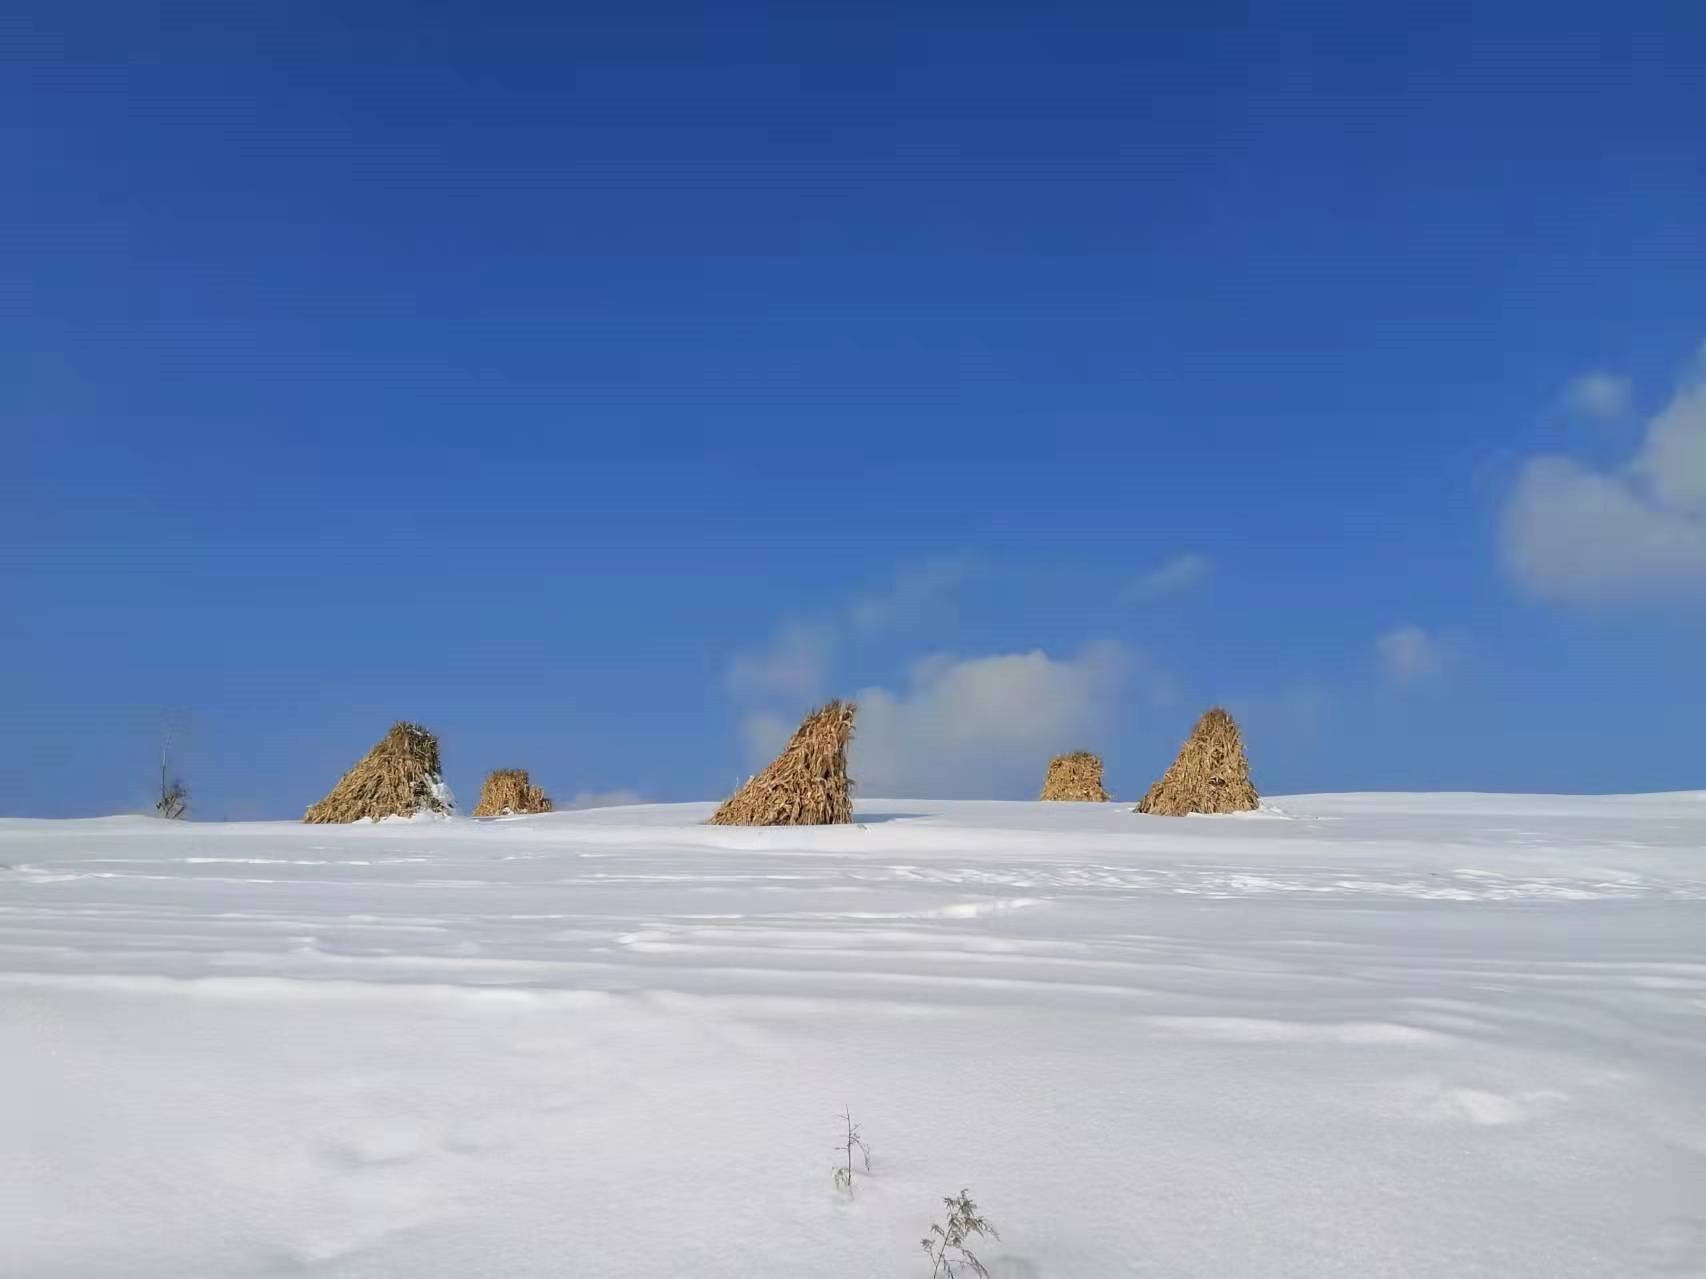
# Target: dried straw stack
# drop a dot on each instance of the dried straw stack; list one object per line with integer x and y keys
{"x": 397, "y": 778}
{"x": 1077, "y": 776}
{"x": 510, "y": 790}
{"x": 1211, "y": 774}
{"x": 807, "y": 785}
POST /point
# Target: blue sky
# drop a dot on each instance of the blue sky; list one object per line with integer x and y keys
{"x": 599, "y": 385}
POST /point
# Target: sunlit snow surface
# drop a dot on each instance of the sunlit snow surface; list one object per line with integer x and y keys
{"x": 1357, "y": 1035}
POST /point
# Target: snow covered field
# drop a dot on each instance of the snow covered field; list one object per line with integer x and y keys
{"x": 1365, "y": 1036}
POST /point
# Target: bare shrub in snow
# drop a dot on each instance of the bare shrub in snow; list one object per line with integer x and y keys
{"x": 847, "y": 1145}
{"x": 174, "y": 801}
{"x": 945, "y": 1245}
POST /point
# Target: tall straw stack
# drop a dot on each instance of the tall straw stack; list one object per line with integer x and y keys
{"x": 1077, "y": 776}
{"x": 510, "y": 790}
{"x": 807, "y": 785}
{"x": 1211, "y": 774}
{"x": 399, "y": 777}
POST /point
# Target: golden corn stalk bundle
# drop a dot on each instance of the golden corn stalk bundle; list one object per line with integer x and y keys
{"x": 807, "y": 784}
{"x": 1077, "y": 776}
{"x": 397, "y": 778}
{"x": 1211, "y": 774}
{"x": 510, "y": 790}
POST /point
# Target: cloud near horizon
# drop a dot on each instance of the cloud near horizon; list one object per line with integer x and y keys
{"x": 1577, "y": 534}
{"x": 605, "y": 799}
{"x": 984, "y": 726}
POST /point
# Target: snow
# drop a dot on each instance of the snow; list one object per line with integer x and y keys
{"x": 443, "y": 798}
{"x": 1353, "y": 1035}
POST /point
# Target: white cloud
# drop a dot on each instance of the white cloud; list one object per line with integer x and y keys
{"x": 794, "y": 666}
{"x": 915, "y": 588}
{"x": 1410, "y": 656}
{"x": 1581, "y": 535}
{"x": 605, "y": 799}
{"x": 1585, "y": 537}
{"x": 1177, "y": 574}
{"x": 984, "y": 726}
{"x": 765, "y": 735}
{"x": 1603, "y": 397}
{"x": 1672, "y": 460}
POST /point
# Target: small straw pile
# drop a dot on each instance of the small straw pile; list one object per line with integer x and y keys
{"x": 1077, "y": 776}
{"x": 807, "y": 785}
{"x": 510, "y": 790}
{"x": 397, "y": 778}
{"x": 1211, "y": 774}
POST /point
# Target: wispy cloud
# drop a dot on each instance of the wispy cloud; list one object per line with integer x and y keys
{"x": 1580, "y": 534}
{"x": 794, "y": 667}
{"x": 1412, "y": 657}
{"x": 1598, "y": 396}
{"x": 764, "y": 734}
{"x": 1180, "y": 573}
{"x": 916, "y": 588}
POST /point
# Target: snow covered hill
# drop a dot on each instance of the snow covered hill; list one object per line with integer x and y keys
{"x": 1365, "y": 1036}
